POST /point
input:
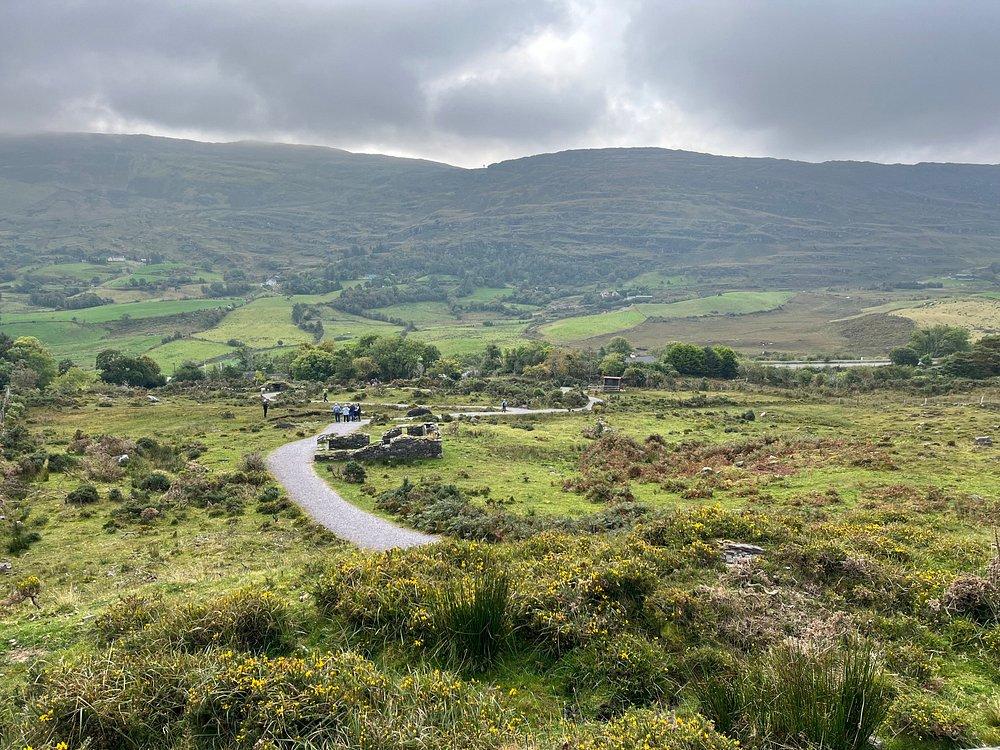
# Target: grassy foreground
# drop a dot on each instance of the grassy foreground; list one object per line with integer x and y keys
{"x": 581, "y": 597}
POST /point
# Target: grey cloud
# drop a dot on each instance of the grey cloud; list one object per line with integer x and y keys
{"x": 461, "y": 81}
{"x": 823, "y": 77}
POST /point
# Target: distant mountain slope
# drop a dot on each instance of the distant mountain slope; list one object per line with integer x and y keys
{"x": 590, "y": 215}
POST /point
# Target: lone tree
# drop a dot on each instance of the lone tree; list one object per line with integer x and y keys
{"x": 939, "y": 340}
{"x": 121, "y": 369}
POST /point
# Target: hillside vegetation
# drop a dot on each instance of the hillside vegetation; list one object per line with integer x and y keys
{"x": 568, "y": 217}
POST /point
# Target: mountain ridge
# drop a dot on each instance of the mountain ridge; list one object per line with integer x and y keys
{"x": 596, "y": 213}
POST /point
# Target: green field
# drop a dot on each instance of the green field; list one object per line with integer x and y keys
{"x": 262, "y": 323}
{"x": 420, "y": 313}
{"x": 470, "y": 338}
{"x": 583, "y": 327}
{"x": 82, "y": 272}
{"x": 171, "y": 354}
{"x": 153, "y": 273}
{"x": 727, "y": 303}
{"x": 134, "y": 310}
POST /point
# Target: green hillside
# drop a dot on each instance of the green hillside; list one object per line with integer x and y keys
{"x": 574, "y": 218}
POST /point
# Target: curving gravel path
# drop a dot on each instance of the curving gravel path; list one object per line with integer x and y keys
{"x": 292, "y": 465}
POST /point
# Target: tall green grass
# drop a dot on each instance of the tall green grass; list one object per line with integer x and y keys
{"x": 473, "y": 619}
{"x": 799, "y": 698}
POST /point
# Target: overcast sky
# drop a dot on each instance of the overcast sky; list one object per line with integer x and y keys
{"x": 475, "y": 82}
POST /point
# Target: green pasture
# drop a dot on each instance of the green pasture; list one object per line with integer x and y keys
{"x": 525, "y": 460}
{"x": 134, "y": 310}
{"x": 82, "y": 272}
{"x": 168, "y": 356}
{"x": 582, "y": 327}
{"x": 727, "y": 303}
{"x": 470, "y": 338}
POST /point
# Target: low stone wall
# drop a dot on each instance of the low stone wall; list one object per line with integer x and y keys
{"x": 402, "y": 448}
{"x": 397, "y": 444}
{"x": 353, "y": 440}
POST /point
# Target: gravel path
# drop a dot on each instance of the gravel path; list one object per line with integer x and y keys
{"x": 292, "y": 465}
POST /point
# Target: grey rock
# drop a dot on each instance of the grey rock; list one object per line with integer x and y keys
{"x": 736, "y": 552}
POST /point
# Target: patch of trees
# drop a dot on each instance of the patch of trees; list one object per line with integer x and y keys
{"x": 981, "y": 361}
{"x": 307, "y": 318}
{"x": 308, "y": 282}
{"x": 939, "y": 341}
{"x": 371, "y": 295}
{"x": 701, "y": 361}
{"x": 25, "y": 363}
{"x": 66, "y": 301}
{"x": 381, "y": 357}
{"x": 118, "y": 368}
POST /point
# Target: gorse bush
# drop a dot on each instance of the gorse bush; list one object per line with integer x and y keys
{"x": 247, "y": 620}
{"x": 472, "y": 619}
{"x": 110, "y": 700}
{"x": 607, "y": 677}
{"x": 354, "y": 473}
{"x": 119, "y": 699}
{"x": 924, "y": 717}
{"x": 652, "y": 730}
{"x": 155, "y": 482}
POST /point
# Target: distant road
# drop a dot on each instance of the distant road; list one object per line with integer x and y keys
{"x": 292, "y": 465}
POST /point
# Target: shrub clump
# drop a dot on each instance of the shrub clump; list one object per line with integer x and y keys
{"x": 922, "y": 717}
{"x": 354, "y": 473}
{"x": 114, "y": 699}
{"x": 244, "y": 620}
{"x": 247, "y": 620}
{"x": 85, "y": 494}
{"x": 61, "y": 462}
{"x": 608, "y": 676}
{"x": 155, "y": 482}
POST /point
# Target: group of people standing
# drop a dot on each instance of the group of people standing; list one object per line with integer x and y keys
{"x": 346, "y": 412}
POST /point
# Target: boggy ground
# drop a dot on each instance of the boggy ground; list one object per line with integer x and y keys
{"x": 200, "y": 609}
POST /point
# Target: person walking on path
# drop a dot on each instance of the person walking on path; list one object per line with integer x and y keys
{"x": 326, "y": 394}
{"x": 265, "y": 404}
{"x": 357, "y": 411}
{"x": 336, "y": 412}
{"x": 503, "y": 405}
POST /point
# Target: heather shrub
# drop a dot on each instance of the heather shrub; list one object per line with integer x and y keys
{"x": 85, "y": 494}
